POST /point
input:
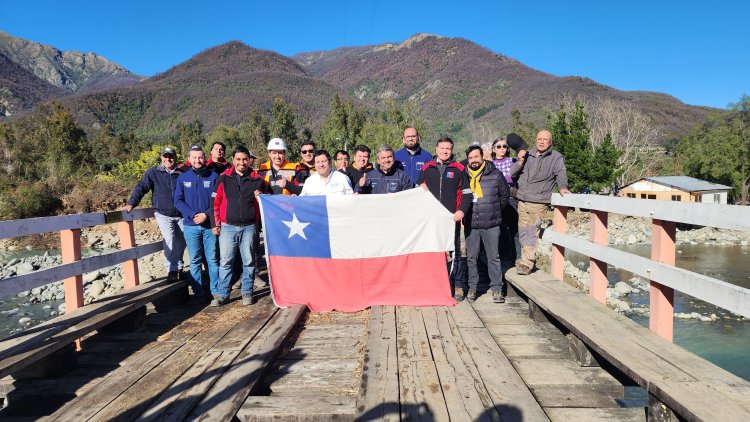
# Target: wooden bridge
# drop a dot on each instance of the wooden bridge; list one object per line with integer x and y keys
{"x": 550, "y": 353}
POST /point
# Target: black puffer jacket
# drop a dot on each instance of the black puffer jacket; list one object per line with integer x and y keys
{"x": 486, "y": 211}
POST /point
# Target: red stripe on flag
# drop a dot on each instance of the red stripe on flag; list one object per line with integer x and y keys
{"x": 349, "y": 285}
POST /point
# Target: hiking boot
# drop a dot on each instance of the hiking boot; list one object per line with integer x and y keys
{"x": 248, "y": 299}
{"x": 472, "y": 296}
{"x": 458, "y": 294}
{"x": 218, "y": 301}
{"x": 522, "y": 269}
{"x": 259, "y": 284}
{"x": 497, "y": 297}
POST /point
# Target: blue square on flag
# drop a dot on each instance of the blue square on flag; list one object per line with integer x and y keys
{"x": 296, "y": 226}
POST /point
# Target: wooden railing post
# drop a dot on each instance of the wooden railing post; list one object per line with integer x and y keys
{"x": 126, "y": 233}
{"x": 598, "y": 269}
{"x": 662, "y": 297}
{"x": 560, "y": 225}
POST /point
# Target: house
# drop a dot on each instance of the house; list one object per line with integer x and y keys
{"x": 677, "y": 188}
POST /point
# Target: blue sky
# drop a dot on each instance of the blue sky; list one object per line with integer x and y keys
{"x": 698, "y": 51}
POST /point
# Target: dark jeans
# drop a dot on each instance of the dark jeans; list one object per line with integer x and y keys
{"x": 490, "y": 239}
{"x": 510, "y": 246}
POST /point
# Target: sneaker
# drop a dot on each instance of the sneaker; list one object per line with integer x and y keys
{"x": 218, "y": 301}
{"x": 522, "y": 269}
{"x": 248, "y": 299}
{"x": 497, "y": 297}
{"x": 173, "y": 276}
{"x": 259, "y": 284}
{"x": 458, "y": 294}
{"x": 472, "y": 296}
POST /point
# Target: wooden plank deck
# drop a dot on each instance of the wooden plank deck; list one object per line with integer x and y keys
{"x": 480, "y": 361}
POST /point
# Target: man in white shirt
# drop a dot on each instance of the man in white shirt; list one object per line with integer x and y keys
{"x": 325, "y": 181}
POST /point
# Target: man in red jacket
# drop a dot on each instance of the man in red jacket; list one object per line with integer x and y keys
{"x": 236, "y": 223}
{"x": 446, "y": 179}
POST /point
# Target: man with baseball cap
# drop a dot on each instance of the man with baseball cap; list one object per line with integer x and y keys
{"x": 277, "y": 171}
{"x": 162, "y": 181}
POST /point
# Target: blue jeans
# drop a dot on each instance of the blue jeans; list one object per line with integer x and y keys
{"x": 200, "y": 241}
{"x": 174, "y": 241}
{"x": 231, "y": 238}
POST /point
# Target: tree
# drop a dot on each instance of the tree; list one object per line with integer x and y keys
{"x": 63, "y": 142}
{"x": 189, "y": 134}
{"x": 588, "y": 167}
{"x": 718, "y": 149}
{"x": 342, "y": 125}
{"x": 526, "y": 129}
{"x": 254, "y": 132}
{"x": 283, "y": 125}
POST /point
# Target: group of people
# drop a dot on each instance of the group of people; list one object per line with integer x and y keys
{"x": 209, "y": 204}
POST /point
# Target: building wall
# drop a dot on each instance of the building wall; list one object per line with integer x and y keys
{"x": 712, "y": 198}
{"x": 664, "y": 195}
{"x": 648, "y": 190}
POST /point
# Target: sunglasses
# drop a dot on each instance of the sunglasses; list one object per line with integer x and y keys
{"x": 307, "y": 151}
{"x": 501, "y": 146}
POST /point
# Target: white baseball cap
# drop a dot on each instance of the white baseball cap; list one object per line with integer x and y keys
{"x": 277, "y": 144}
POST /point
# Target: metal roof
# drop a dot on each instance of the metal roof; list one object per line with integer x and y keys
{"x": 686, "y": 183}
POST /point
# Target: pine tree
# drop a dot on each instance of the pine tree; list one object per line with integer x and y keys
{"x": 587, "y": 168}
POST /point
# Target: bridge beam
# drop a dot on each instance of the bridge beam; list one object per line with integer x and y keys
{"x": 126, "y": 233}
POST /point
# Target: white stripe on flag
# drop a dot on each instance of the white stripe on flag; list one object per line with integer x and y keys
{"x": 375, "y": 226}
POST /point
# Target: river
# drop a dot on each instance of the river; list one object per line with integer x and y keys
{"x": 725, "y": 342}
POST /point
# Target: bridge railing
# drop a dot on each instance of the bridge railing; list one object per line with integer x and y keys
{"x": 660, "y": 269}
{"x": 73, "y": 267}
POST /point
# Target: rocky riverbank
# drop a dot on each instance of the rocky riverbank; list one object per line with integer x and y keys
{"x": 631, "y": 296}
{"x": 637, "y": 231}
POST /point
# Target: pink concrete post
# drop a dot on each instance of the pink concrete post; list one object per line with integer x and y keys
{"x": 70, "y": 242}
{"x": 598, "y": 269}
{"x": 126, "y": 234}
{"x": 70, "y": 245}
{"x": 662, "y": 297}
{"x": 559, "y": 225}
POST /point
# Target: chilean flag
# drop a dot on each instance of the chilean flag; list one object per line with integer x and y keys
{"x": 350, "y": 252}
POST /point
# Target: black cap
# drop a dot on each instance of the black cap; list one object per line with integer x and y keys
{"x": 168, "y": 151}
{"x": 516, "y": 142}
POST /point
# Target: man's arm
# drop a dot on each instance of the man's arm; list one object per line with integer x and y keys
{"x": 466, "y": 196}
{"x": 503, "y": 191}
{"x": 141, "y": 189}
{"x": 218, "y": 197}
{"x": 561, "y": 176}
{"x": 179, "y": 200}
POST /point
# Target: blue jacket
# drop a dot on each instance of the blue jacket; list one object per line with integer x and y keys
{"x": 412, "y": 164}
{"x": 395, "y": 180}
{"x": 162, "y": 183}
{"x": 194, "y": 195}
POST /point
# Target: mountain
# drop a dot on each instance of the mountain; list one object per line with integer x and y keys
{"x": 220, "y": 85}
{"x": 21, "y": 89}
{"x": 71, "y": 70}
{"x": 461, "y": 86}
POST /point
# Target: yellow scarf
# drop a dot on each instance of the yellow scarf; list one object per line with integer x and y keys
{"x": 475, "y": 175}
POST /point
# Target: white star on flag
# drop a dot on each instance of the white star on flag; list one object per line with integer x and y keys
{"x": 296, "y": 227}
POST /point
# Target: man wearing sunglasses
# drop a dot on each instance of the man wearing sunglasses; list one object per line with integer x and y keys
{"x": 305, "y": 168}
{"x": 162, "y": 181}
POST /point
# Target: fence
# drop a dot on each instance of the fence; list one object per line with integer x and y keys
{"x": 73, "y": 267}
{"x": 664, "y": 277}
